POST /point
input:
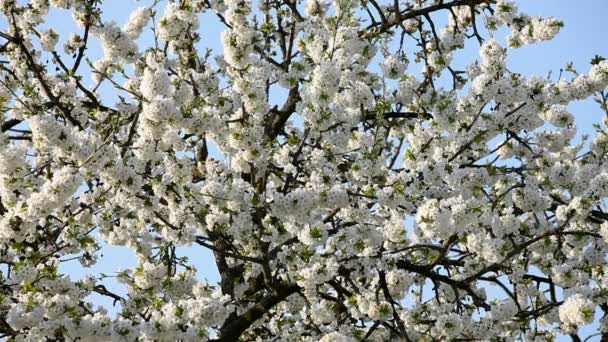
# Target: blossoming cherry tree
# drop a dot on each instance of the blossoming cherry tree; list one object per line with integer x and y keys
{"x": 352, "y": 197}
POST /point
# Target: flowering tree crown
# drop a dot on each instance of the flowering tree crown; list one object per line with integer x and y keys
{"x": 353, "y": 198}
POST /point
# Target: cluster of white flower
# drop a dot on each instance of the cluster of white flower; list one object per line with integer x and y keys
{"x": 558, "y": 116}
{"x": 394, "y": 66}
{"x": 177, "y": 24}
{"x": 577, "y": 310}
{"x": 316, "y": 7}
{"x": 136, "y": 23}
{"x": 48, "y": 39}
{"x": 524, "y": 29}
{"x": 73, "y": 43}
{"x": 116, "y": 44}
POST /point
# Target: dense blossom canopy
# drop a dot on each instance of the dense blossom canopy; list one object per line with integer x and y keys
{"x": 353, "y": 196}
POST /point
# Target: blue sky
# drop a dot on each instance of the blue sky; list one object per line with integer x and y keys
{"x": 582, "y": 38}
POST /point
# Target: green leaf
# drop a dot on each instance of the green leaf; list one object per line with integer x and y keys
{"x": 597, "y": 59}
{"x": 410, "y": 155}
